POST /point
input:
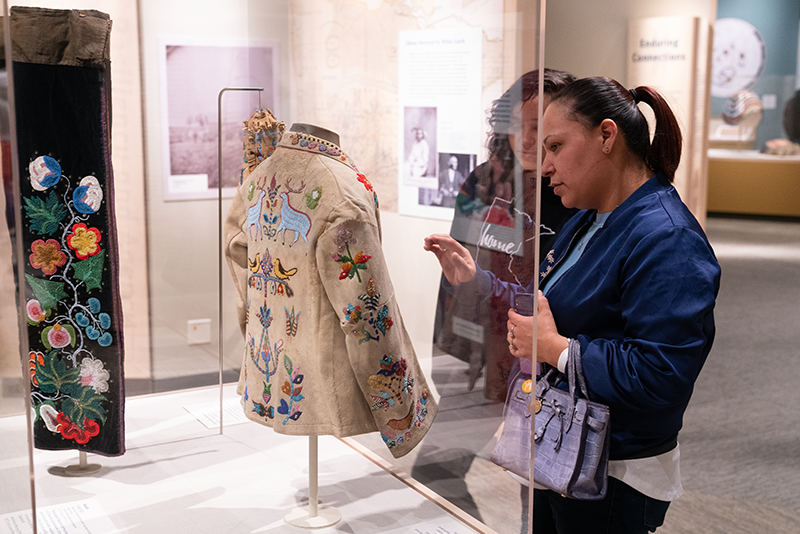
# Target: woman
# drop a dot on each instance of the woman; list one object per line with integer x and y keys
{"x": 629, "y": 287}
{"x": 488, "y": 198}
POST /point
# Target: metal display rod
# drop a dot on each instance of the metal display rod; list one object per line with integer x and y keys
{"x": 219, "y": 221}
{"x": 82, "y": 468}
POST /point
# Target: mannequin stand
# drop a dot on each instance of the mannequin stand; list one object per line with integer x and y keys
{"x": 314, "y": 515}
{"x": 82, "y": 469}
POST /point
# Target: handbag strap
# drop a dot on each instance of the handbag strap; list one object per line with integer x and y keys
{"x": 575, "y": 370}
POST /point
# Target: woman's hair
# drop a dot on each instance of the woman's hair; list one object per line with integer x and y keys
{"x": 501, "y": 114}
{"x": 590, "y": 101}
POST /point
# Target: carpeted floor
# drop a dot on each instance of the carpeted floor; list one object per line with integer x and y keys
{"x": 740, "y": 445}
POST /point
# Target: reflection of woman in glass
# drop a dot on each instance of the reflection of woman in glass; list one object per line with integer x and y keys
{"x": 512, "y": 145}
{"x": 488, "y": 196}
{"x": 419, "y": 157}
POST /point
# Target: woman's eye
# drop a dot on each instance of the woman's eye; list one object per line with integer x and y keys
{"x": 553, "y": 147}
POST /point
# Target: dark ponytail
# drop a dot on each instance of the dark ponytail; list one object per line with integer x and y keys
{"x": 665, "y": 150}
{"x": 592, "y": 100}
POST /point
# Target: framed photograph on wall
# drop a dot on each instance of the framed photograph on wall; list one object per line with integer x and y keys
{"x": 192, "y": 75}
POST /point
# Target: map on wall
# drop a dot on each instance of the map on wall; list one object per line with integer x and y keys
{"x": 738, "y": 57}
{"x": 347, "y": 79}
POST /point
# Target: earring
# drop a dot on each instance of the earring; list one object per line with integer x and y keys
{"x": 606, "y": 150}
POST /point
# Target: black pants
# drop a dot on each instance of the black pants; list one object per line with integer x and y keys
{"x": 623, "y": 511}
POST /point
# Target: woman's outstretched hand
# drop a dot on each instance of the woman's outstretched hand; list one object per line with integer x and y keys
{"x": 456, "y": 261}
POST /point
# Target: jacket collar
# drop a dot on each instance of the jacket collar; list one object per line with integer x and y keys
{"x": 315, "y": 145}
{"x": 657, "y": 182}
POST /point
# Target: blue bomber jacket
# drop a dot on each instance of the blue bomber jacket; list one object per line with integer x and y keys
{"x": 640, "y": 301}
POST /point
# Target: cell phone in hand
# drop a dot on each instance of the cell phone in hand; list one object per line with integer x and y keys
{"x": 524, "y": 303}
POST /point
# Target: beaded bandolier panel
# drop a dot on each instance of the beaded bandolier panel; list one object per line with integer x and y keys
{"x": 74, "y": 314}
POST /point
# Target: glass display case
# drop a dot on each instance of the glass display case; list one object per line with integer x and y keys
{"x": 434, "y": 103}
{"x": 753, "y": 134}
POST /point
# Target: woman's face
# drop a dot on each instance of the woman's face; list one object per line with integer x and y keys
{"x": 572, "y": 157}
{"x": 523, "y": 134}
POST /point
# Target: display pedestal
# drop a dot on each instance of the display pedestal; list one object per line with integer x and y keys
{"x": 303, "y": 517}
{"x": 82, "y": 469}
{"x": 314, "y": 515}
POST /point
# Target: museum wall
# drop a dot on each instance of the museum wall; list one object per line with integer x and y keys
{"x": 603, "y": 50}
{"x": 602, "y": 47}
{"x": 183, "y": 246}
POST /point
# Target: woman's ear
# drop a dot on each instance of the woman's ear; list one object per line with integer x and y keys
{"x": 608, "y": 131}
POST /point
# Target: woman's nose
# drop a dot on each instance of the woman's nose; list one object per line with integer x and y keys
{"x": 529, "y": 137}
{"x": 547, "y": 167}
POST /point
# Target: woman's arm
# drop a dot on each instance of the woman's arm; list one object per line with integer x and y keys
{"x": 644, "y": 340}
{"x": 456, "y": 261}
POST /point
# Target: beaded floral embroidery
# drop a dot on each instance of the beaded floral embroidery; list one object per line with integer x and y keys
{"x": 351, "y": 265}
{"x": 399, "y": 430}
{"x": 265, "y": 356}
{"x": 316, "y": 145}
{"x": 368, "y": 185}
{"x": 268, "y": 276}
{"x": 67, "y": 381}
{"x": 391, "y": 382}
{"x": 292, "y": 321}
{"x": 291, "y": 388}
{"x": 371, "y": 322}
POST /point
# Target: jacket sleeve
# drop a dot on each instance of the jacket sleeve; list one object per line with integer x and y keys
{"x": 236, "y": 255}
{"x": 667, "y": 292}
{"x": 356, "y": 281}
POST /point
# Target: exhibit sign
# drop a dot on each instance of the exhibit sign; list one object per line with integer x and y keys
{"x": 439, "y": 95}
{"x": 83, "y": 517}
{"x": 671, "y": 54}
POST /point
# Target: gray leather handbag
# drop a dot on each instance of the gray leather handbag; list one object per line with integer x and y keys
{"x": 513, "y": 449}
{"x": 572, "y": 438}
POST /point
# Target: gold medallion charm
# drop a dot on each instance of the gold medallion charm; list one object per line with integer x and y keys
{"x": 537, "y": 405}
{"x": 527, "y": 386}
